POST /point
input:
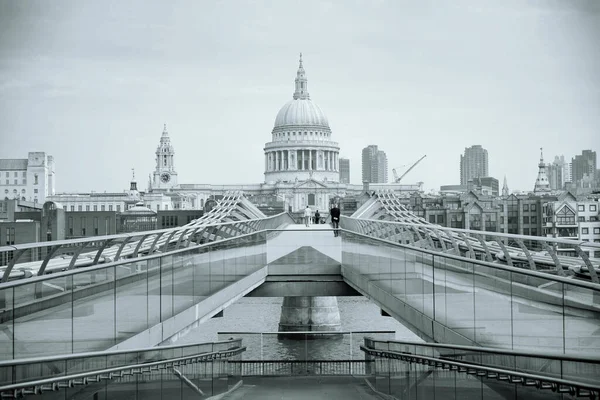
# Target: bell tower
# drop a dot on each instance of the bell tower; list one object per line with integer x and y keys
{"x": 165, "y": 176}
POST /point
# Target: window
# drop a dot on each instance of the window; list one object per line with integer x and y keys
{"x": 534, "y": 232}
{"x": 72, "y": 208}
{"x": 580, "y": 207}
{"x": 7, "y": 175}
{"x": 440, "y": 219}
{"x": 95, "y": 207}
{"x": 16, "y": 174}
{"x": 102, "y": 207}
{"x": 24, "y": 181}
{"x": 118, "y": 208}
{"x": 35, "y": 190}
{"x": 16, "y": 181}
{"x": 110, "y": 207}
{"x": 83, "y": 222}
{"x": 593, "y": 207}
{"x": 585, "y": 231}
{"x": 581, "y": 219}
{"x": 432, "y": 219}
{"x": 71, "y": 225}
{"x": 501, "y": 219}
{"x": 24, "y": 174}
{"x": 526, "y": 220}
{"x": 526, "y": 231}
{"x": 95, "y": 226}
{"x": 533, "y": 219}
{"x": 79, "y": 208}
{"x": 35, "y": 179}
{"x": 532, "y": 207}
{"x": 525, "y": 207}
{"x": 596, "y": 231}
{"x": 106, "y": 226}
{"x": 87, "y": 208}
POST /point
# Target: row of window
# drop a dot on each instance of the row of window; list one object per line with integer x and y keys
{"x": 512, "y": 219}
{"x": 592, "y": 207}
{"x": 283, "y": 134}
{"x": 83, "y": 227}
{"x": 15, "y": 174}
{"x": 586, "y": 231}
{"x": 15, "y": 191}
{"x": 95, "y": 208}
{"x": 526, "y": 207}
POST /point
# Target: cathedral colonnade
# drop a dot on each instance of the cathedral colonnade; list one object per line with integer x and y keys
{"x": 302, "y": 160}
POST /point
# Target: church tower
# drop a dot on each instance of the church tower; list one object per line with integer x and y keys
{"x": 165, "y": 176}
{"x": 505, "y": 188}
{"x": 541, "y": 183}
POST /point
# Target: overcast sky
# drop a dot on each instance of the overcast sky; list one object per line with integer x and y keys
{"x": 93, "y": 82}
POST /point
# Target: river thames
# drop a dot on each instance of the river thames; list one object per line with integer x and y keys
{"x": 255, "y": 315}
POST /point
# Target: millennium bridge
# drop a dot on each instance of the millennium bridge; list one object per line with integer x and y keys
{"x": 500, "y": 315}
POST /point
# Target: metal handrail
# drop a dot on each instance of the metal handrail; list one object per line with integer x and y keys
{"x": 581, "y": 389}
{"x": 61, "y": 382}
{"x": 474, "y": 232}
{"x": 495, "y": 350}
{"x": 573, "y": 282}
{"x": 96, "y": 267}
{"x": 107, "y": 353}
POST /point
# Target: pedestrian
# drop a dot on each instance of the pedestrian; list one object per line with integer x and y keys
{"x": 307, "y": 216}
{"x": 335, "y": 219}
{"x": 317, "y": 217}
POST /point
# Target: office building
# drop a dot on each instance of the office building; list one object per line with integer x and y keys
{"x": 344, "y": 170}
{"x": 473, "y": 164}
{"x": 374, "y": 165}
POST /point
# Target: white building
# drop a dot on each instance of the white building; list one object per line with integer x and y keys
{"x": 588, "y": 216}
{"x": 301, "y": 147}
{"x": 31, "y": 179}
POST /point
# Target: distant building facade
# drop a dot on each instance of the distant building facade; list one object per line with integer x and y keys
{"x": 374, "y": 165}
{"x": 344, "y": 170}
{"x": 30, "y": 179}
{"x": 473, "y": 164}
{"x": 583, "y": 169}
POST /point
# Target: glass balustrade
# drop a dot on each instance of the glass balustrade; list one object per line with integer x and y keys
{"x": 460, "y": 300}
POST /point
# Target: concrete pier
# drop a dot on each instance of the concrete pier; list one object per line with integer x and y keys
{"x": 309, "y": 314}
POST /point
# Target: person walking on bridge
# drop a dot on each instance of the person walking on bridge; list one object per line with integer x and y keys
{"x": 335, "y": 219}
{"x": 307, "y": 216}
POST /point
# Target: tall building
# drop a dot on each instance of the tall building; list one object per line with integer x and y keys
{"x": 374, "y": 165}
{"x": 344, "y": 170}
{"x": 583, "y": 167}
{"x": 556, "y": 172}
{"x": 30, "y": 179}
{"x": 473, "y": 164}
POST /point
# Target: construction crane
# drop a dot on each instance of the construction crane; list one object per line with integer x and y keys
{"x": 398, "y": 179}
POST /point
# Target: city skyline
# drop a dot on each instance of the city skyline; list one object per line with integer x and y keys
{"x": 96, "y": 95}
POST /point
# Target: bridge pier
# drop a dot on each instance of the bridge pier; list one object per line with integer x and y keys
{"x": 309, "y": 314}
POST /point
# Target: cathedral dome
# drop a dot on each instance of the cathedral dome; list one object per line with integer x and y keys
{"x": 301, "y": 112}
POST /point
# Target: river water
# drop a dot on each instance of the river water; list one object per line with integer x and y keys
{"x": 250, "y": 316}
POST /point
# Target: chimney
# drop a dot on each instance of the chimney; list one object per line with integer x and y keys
{"x": 365, "y": 186}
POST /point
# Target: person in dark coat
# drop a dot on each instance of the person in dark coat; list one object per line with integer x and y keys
{"x": 317, "y": 217}
{"x": 335, "y": 219}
